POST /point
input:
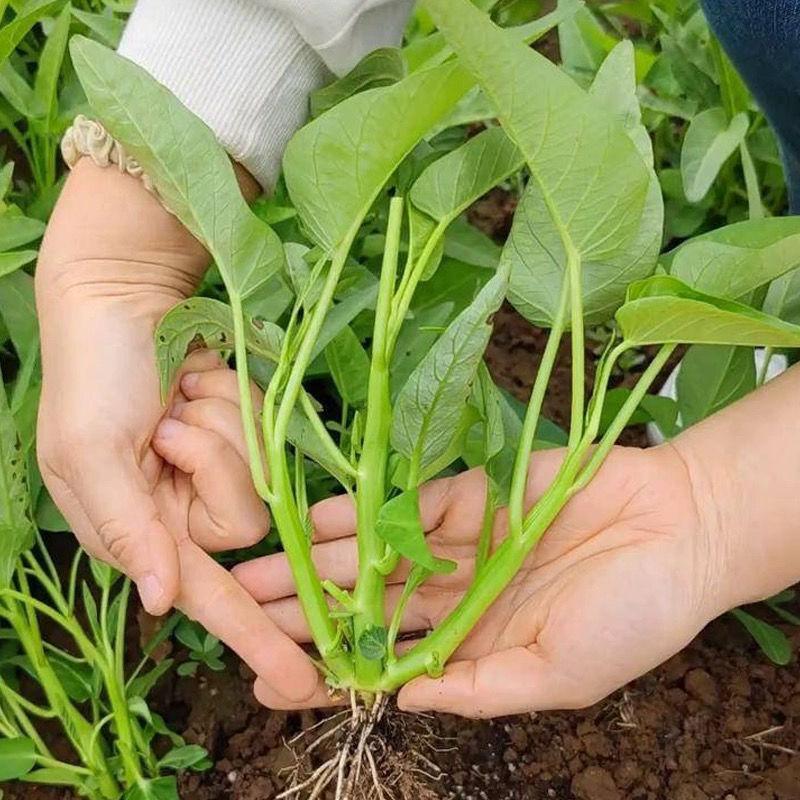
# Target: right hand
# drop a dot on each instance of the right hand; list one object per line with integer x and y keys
{"x": 112, "y": 263}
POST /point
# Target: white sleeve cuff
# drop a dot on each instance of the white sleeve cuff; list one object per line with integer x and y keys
{"x": 344, "y": 31}
{"x": 241, "y": 67}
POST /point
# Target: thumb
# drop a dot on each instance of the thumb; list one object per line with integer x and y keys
{"x": 513, "y": 681}
{"x": 119, "y": 505}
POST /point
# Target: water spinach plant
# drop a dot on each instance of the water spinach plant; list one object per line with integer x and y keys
{"x": 584, "y": 249}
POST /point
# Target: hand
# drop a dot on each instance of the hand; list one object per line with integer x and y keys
{"x": 625, "y": 577}
{"x": 113, "y": 262}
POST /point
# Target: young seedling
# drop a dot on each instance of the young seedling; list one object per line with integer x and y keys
{"x": 84, "y": 688}
{"x": 583, "y": 249}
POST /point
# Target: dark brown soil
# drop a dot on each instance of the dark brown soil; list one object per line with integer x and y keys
{"x": 716, "y": 722}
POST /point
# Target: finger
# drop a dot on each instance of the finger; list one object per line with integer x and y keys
{"x": 211, "y": 596}
{"x": 218, "y": 383}
{"x": 120, "y": 509}
{"x": 335, "y": 517}
{"x": 288, "y": 614}
{"x": 227, "y": 513}
{"x": 323, "y": 697}
{"x": 78, "y": 521}
{"x": 219, "y": 416}
{"x": 270, "y": 578}
{"x": 507, "y": 682}
{"x": 198, "y": 361}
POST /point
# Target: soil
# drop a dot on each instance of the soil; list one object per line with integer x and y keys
{"x": 716, "y": 722}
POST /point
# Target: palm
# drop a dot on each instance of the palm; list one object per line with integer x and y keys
{"x": 622, "y": 562}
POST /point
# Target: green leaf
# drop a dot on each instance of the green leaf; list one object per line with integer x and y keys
{"x": 710, "y": 141}
{"x": 336, "y": 165}
{"x": 581, "y": 161}
{"x": 466, "y": 243}
{"x": 77, "y": 679}
{"x": 302, "y": 435}
{"x": 18, "y": 310}
{"x": 735, "y": 95}
{"x": 190, "y": 634}
{"x": 189, "y": 756}
{"x": 139, "y": 707}
{"x": 661, "y": 410}
{"x": 53, "y": 776}
{"x": 452, "y": 183}
{"x": 381, "y": 67}
{"x": 428, "y": 408}
{"x": 711, "y": 378}
{"x": 158, "y": 789}
{"x": 734, "y": 260}
{"x": 107, "y": 28}
{"x": 11, "y": 262}
{"x": 663, "y": 310}
{"x": 449, "y": 185}
{"x": 783, "y": 298}
{"x": 488, "y": 400}
{"x": 400, "y": 526}
{"x": 16, "y": 526}
{"x": 772, "y": 641}
{"x": 17, "y": 758}
{"x": 208, "y": 323}
{"x": 583, "y": 43}
{"x": 17, "y": 230}
{"x": 45, "y": 88}
{"x": 180, "y": 154}
{"x": 372, "y": 643}
{"x": 144, "y": 683}
{"x": 358, "y": 290}
{"x": 14, "y": 32}
{"x": 48, "y": 515}
{"x": 501, "y": 466}
{"x": 349, "y": 365}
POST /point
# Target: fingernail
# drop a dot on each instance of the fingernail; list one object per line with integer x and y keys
{"x": 167, "y": 429}
{"x": 176, "y": 410}
{"x": 190, "y": 380}
{"x": 152, "y": 593}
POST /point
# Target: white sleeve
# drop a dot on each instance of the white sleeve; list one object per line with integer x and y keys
{"x": 247, "y": 67}
{"x": 344, "y": 31}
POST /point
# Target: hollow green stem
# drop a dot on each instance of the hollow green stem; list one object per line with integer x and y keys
{"x": 519, "y": 478}
{"x": 484, "y": 548}
{"x": 296, "y": 545}
{"x": 369, "y": 593}
{"x": 310, "y": 336}
{"x": 623, "y": 417}
{"x": 257, "y": 467}
{"x": 577, "y": 344}
{"x": 409, "y": 282}
{"x": 415, "y": 579}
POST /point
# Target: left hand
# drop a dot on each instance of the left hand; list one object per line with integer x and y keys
{"x": 625, "y": 577}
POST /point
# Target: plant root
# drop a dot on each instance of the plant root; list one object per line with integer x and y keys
{"x": 373, "y": 753}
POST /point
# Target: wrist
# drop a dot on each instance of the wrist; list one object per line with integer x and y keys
{"x": 744, "y": 465}
{"x": 108, "y": 231}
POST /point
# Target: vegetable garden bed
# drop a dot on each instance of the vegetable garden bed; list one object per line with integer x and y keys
{"x": 360, "y": 299}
